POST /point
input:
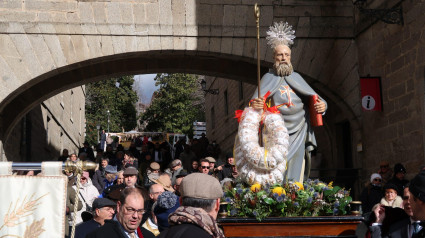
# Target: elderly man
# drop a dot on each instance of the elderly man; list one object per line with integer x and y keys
{"x": 155, "y": 190}
{"x": 288, "y": 91}
{"x": 199, "y": 208}
{"x": 130, "y": 209}
{"x": 103, "y": 209}
{"x": 130, "y": 181}
{"x": 176, "y": 167}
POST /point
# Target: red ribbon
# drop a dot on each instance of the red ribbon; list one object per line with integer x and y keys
{"x": 274, "y": 109}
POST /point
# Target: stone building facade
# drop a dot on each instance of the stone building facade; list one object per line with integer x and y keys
{"x": 57, "y": 123}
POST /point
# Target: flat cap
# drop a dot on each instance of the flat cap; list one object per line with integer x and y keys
{"x": 103, "y": 202}
{"x": 130, "y": 171}
{"x": 417, "y": 186}
{"x": 110, "y": 169}
{"x": 210, "y": 159}
{"x": 199, "y": 185}
{"x": 155, "y": 166}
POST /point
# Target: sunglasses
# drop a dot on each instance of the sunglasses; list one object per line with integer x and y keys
{"x": 205, "y": 167}
{"x": 83, "y": 178}
{"x": 377, "y": 179}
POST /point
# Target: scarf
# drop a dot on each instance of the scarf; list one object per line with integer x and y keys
{"x": 197, "y": 216}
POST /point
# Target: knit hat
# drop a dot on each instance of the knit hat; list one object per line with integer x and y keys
{"x": 166, "y": 204}
{"x": 229, "y": 155}
{"x": 399, "y": 168}
{"x": 417, "y": 186}
{"x": 374, "y": 176}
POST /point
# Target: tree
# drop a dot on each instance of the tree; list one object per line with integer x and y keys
{"x": 117, "y": 96}
{"x": 176, "y": 105}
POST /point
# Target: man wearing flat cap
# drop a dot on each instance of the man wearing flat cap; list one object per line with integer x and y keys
{"x": 417, "y": 201}
{"x": 198, "y": 211}
{"x": 130, "y": 181}
{"x": 103, "y": 209}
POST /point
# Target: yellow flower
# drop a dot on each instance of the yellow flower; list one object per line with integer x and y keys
{"x": 255, "y": 187}
{"x": 299, "y": 185}
{"x": 321, "y": 185}
{"x": 330, "y": 184}
{"x": 279, "y": 191}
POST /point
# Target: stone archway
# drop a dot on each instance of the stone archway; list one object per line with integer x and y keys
{"x": 50, "y": 46}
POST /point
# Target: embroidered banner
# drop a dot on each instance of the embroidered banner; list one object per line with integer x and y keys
{"x": 32, "y": 206}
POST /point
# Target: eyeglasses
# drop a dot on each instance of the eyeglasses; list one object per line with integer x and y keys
{"x": 205, "y": 167}
{"x": 377, "y": 179}
{"x": 132, "y": 211}
{"x": 405, "y": 198}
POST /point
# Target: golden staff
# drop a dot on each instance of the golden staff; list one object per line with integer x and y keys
{"x": 257, "y": 19}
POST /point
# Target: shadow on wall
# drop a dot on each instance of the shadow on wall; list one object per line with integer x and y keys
{"x": 29, "y": 140}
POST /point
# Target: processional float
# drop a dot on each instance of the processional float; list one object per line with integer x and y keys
{"x": 260, "y": 152}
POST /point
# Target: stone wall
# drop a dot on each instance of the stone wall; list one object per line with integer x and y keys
{"x": 396, "y": 53}
{"x": 56, "y": 124}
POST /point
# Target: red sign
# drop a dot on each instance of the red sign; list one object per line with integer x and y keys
{"x": 370, "y": 88}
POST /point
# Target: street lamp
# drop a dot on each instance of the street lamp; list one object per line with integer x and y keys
{"x": 204, "y": 88}
{"x": 108, "y": 120}
{"x": 98, "y": 128}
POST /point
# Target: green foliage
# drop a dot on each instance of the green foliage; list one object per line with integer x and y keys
{"x": 313, "y": 198}
{"x": 175, "y": 105}
{"x": 104, "y": 95}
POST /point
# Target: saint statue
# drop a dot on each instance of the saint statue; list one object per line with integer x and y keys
{"x": 290, "y": 93}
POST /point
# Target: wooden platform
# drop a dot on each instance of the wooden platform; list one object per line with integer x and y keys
{"x": 334, "y": 226}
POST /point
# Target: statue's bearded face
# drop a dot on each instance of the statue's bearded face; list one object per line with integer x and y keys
{"x": 282, "y": 58}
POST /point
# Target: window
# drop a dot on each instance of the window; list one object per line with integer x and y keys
{"x": 212, "y": 118}
{"x": 240, "y": 90}
{"x": 226, "y": 105}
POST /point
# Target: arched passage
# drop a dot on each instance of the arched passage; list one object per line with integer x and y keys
{"x": 35, "y": 91}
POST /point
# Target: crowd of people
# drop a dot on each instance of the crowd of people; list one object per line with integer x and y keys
{"x": 135, "y": 190}
{"x": 392, "y": 205}
{"x": 132, "y": 193}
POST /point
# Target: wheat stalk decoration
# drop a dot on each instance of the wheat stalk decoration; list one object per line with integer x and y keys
{"x": 34, "y": 230}
{"x": 14, "y": 217}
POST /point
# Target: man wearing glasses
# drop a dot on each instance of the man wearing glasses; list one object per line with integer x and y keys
{"x": 205, "y": 166}
{"x": 130, "y": 209}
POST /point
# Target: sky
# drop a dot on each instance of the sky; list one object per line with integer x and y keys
{"x": 144, "y": 84}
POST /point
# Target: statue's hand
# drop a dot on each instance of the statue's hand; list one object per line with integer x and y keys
{"x": 320, "y": 106}
{"x": 257, "y": 104}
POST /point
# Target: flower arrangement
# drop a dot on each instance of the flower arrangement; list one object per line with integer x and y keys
{"x": 313, "y": 198}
